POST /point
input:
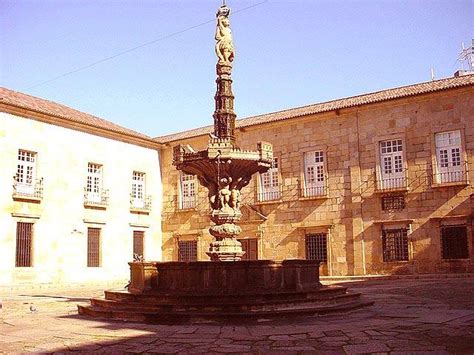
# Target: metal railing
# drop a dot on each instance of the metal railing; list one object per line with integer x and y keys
{"x": 454, "y": 174}
{"x": 313, "y": 191}
{"x": 392, "y": 183}
{"x": 188, "y": 203}
{"x": 96, "y": 198}
{"x": 140, "y": 204}
{"x": 24, "y": 190}
{"x": 268, "y": 196}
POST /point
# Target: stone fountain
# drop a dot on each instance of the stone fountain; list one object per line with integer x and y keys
{"x": 223, "y": 168}
{"x": 224, "y": 287}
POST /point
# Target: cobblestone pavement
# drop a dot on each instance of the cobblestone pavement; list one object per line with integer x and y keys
{"x": 409, "y": 316}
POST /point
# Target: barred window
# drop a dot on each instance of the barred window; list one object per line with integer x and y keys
{"x": 138, "y": 242}
{"x": 395, "y": 244}
{"x": 250, "y": 247}
{"x": 454, "y": 242}
{"x": 187, "y": 250}
{"x": 393, "y": 202}
{"x": 316, "y": 247}
{"x": 24, "y": 244}
{"x": 93, "y": 247}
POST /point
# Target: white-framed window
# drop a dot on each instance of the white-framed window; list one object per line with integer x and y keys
{"x": 94, "y": 182}
{"x": 270, "y": 183}
{"x": 26, "y": 172}
{"x": 138, "y": 189}
{"x": 187, "y": 191}
{"x": 314, "y": 174}
{"x": 392, "y": 172}
{"x": 450, "y": 167}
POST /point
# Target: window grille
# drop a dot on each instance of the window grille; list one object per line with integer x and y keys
{"x": 138, "y": 241}
{"x": 454, "y": 242}
{"x": 93, "y": 247}
{"x": 393, "y": 202}
{"x": 395, "y": 244}
{"x": 316, "y": 247}
{"x": 391, "y": 165}
{"x": 250, "y": 247}
{"x": 188, "y": 191}
{"x": 24, "y": 244}
{"x": 270, "y": 184}
{"x": 314, "y": 174}
{"x": 450, "y": 167}
{"x": 187, "y": 250}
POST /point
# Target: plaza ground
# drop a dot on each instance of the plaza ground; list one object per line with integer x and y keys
{"x": 410, "y": 315}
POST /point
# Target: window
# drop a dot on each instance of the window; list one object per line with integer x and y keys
{"x": 24, "y": 244}
{"x": 450, "y": 167}
{"x": 391, "y": 165}
{"x": 395, "y": 244}
{"x": 454, "y": 242}
{"x": 138, "y": 190}
{"x": 25, "y": 178}
{"x": 316, "y": 247}
{"x": 187, "y": 250}
{"x": 138, "y": 241}
{"x": 188, "y": 191}
{"x": 250, "y": 247}
{"x": 314, "y": 174}
{"x": 93, "y": 247}
{"x": 94, "y": 183}
{"x": 393, "y": 202}
{"x": 270, "y": 184}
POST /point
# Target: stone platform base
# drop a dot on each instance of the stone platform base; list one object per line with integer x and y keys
{"x": 177, "y": 292}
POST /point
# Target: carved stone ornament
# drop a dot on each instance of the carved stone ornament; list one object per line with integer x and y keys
{"x": 223, "y": 168}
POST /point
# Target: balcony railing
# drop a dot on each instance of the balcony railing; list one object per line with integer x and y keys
{"x": 456, "y": 174}
{"x": 32, "y": 191}
{"x": 392, "y": 183}
{"x": 96, "y": 199}
{"x": 268, "y": 196}
{"x": 140, "y": 204}
{"x": 314, "y": 191}
{"x": 188, "y": 203}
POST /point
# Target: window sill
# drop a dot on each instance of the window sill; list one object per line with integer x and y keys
{"x": 395, "y": 189}
{"x": 309, "y": 198}
{"x": 454, "y": 260}
{"x": 269, "y": 202}
{"x": 95, "y": 206}
{"x": 183, "y": 210}
{"x": 27, "y": 198}
{"x": 449, "y": 184}
{"x": 139, "y": 210}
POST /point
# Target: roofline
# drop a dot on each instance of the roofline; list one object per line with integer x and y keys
{"x": 62, "y": 121}
{"x": 241, "y": 122}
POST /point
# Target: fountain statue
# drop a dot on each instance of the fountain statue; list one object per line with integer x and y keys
{"x": 223, "y": 168}
{"x": 190, "y": 291}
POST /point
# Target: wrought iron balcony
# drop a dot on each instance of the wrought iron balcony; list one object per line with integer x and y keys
{"x": 31, "y": 191}
{"x": 140, "y": 204}
{"x": 453, "y": 174}
{"x": 398, "y": 183}
{"x": 314, "y": 191}
{"x": 268, "y": 196}
{"x": 96, "y": 199}
{"x": 188, "y": 203}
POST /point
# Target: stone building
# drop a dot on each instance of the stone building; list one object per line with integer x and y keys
{"x": 78, "y": 195}
{"x": 371, "y": 184}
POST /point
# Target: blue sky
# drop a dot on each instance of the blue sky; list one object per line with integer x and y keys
{"x": 288, "y": 53}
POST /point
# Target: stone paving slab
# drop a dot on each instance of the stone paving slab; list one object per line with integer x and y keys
{"x": 410, "y": 316}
